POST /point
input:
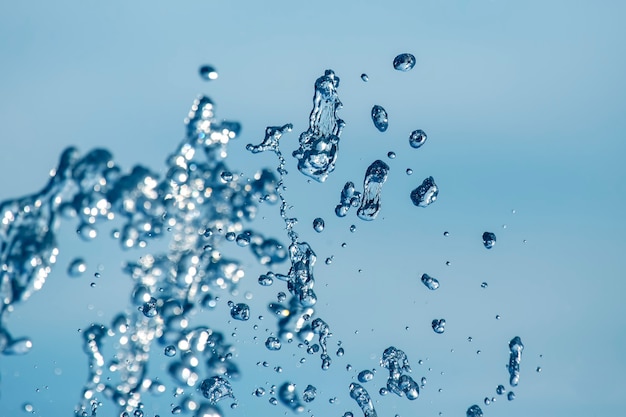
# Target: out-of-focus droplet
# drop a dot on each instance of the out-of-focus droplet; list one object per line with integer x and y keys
{"x": 208, "y": 73}
{"x": 409, "y": 171}
{"x": 484, "y": 285}
{"x": 380, "y": 118}
{"x": 226, "y": 176}
{"x": 77, "y": 267}
{"x": 404, "y": 62}
{"x": 149, "y": 308}
{"x": 417, "y": 138}
{"x": 364, "y": 77}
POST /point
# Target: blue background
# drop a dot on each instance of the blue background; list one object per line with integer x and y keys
{"x": 524, "y": 108}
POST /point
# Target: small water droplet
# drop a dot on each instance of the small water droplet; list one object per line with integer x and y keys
{"x": 364, "y": 77}
{"x": 365, "y": 376}
{"x": 391, "y": 155}
{"x": 272, "y": 343}
{"x": 239, "y": 311}
{"x": 208, "y": 73}
{"x": 489, "y": 240}
{"x": 226, "y": 176}
{"x": 318, "y": 224}
{"x": 430, "y": 282}
{"x": 438, "y": 325}
{"x": 404, "y": 62}
{"x": 170, "y": 351}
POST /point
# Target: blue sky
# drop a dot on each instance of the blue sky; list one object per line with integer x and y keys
{"x": 523, "y": 105}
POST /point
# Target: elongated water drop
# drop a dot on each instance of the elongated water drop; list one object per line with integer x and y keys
{"x": 375, "y": 177}
{"x": 474, "y": 411}
{"x": 365, "y": 376}
{"x": 430, "y": 282}
{"x": 76, "y": 268}
{"x": 216, "y": 388}
{"x": 364, "y": 77}
{"x": 362, "y": 398}
{"x": 309, "y": 394}
{"x": 380, "y": 118}
{"x": 404, "y": 62}
{"x": 516, "y": 347}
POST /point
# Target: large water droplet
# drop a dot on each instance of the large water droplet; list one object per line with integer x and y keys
{"x": 404, "y": 62}
{"x": 516, "y": 347}
{"x": 474, "y": 411}
{"x": 208, "y": 73}
{"x": 272, "y": 343}
{"x": 216, "y": 388}
{"x": 426, "y": 193}
{"x": 170, "y": 350}
{"x": 289, "y": 397}
{"x": 417, "y": 138}
{"x": 239, "y": 311}
{"x": 363, "y": 399}
{"x": 380, "y": 118}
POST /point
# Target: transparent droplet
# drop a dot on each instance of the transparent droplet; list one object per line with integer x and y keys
{"x": 266, "y": 280}
{"x": 208, "y": 73}
{"x": 391, "y": 155}
{"x": 417, "y": 138}
{"x": 243, "y": 240}
{"x": 516, "y": 347}
{"x": 318, "y": 224}
{"x": 239, "y": 311}
{"x": 474, "y": 411}
{"x": 510, "y": 396}
{"x": 538, "y": 369}
{"x": 365, "y": 376}
{"x": 404, "y": 62}
{"x": 380, "y": 118}
{"x": 259, "y": 392}
{"x": 375, "y": 177}
{"x": 226, "y": 176}
{"x": 77, "y": 267}
{"x": 489, "y": 240}
{"x": 87, "y": 232}
{"x": 426, "y": 193}
{"x": 352, "y": 228}
{"x": 272, "y": 343}
{"x": 430, "y": 282}
{"x": 438, "y": 325}
{"x": 340, "y": 352}
{"x": 364, "y": 77}
{"x": 484, "y": 285}
{"x": 487, "y": 401}
{"x": 309, "y": 394}
{"x": 170, "y": 350}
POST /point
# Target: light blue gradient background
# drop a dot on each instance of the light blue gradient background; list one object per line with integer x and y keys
{"x": 524, "y": 105}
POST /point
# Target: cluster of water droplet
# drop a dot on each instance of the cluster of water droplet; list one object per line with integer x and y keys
{"x": 396, "y": 361}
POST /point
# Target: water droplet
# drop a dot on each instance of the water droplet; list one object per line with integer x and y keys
{"x": 474, "y": 411}
{"x": 484, "y": 285}
{"x": 510, "y": 396}
{"x": 259, "y": 392}
{"x": 375, "y": 177}
{"x": 28, "y": 407}
{"x": 438, "y": 325}
{"x": 391, "y": 155}
{"x": 243, "y": 240}
{"x": 309, "y": 394}
{"x": 289, "y": 397}
{"x": 267, "y": 279}
{"x": 487, "y": 401}
{"x": 380, "y": 118}
{"x": 348, "y": 414}
{"x": 226, "y": 176}
{"x": 417, "y": 138}
{"x": 170, "y": 350}
{"x": 87, "y": 232}
{"x": 365, "y": 376}
{"x": 273, "y": 401}
{"x": 230, "y": 236}
{"x": 208, "y": 73}
{"x": 500, "y": 390}
{"x": 404, "y": 62}
{"x": 77, "y": 267}
{"x": 149, "y": 308}
{"x": 177, "y": 410}
{"x": 362, "y": 398}
{"x": 215, "y": 389}
{"x": 425, "y": 194}
{"x": 239, "y": 311}
{"x": 318, "y": 224}
{"x": 489, "y": 240}
{"x": 409, "y": 171}
{"x": 329, "y": 260}
{"x": 516, "y": 347}
{"x": 272, "y": 343}
{"x": 340, "y": 352}
{"x": 430, "y": 282}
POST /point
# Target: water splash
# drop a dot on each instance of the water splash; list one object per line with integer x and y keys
{"x": 363, "y": 399}
{"x": 380, "y": 118}
{"x": 216, "y": 388}
{"x": 319, "y": 144}
{"x": 375, "y": 177}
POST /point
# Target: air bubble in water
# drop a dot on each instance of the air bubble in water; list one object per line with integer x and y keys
{"x": 309, "y": 394}
{"x": 362, "y": 398}
{"x": 430, "y": 282}
{"x": 375, "y": 177}
{"x": 484, "y": 285}
{"x": 364, "y": 77}
{"x": 365, "y": 376}
{"x": 170, "y": 350}
{"x": 409, "y": 171}
{"x": 216, "y": 388}
{"x": 425, "y": 194}
{"x": 489, "y": 240}
{"x": 208, "y": 73}
{"x": 439, "y": 325}
{"x": 239, "y": 311}
{"x": 87, "y": 232}
{"x": 380, "y": 118}
{"x": 318, "y": 224}
{"x": 417, "y": 138}
{"x": 474, "y": 411}
{"x": 516, "y": 347}
{"x": 404, "y": 62}
{"x": 76, "y": 268}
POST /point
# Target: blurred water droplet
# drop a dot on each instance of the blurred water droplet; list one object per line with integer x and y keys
{"x": 226, "y": 176}
{"x": 208, "y": 73}
{"x": 149, "y": 308}
{"x": 365, "y": 78}
{"x": 404, "y": 62}
{"x": 489, "y": 240}
{"x": 77, "y": 267}
{"x": 409, "y": 171}
{"x": 484, "y": 285}
{"x": 380, "y": 118}
{"x": 391, "y": 155}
